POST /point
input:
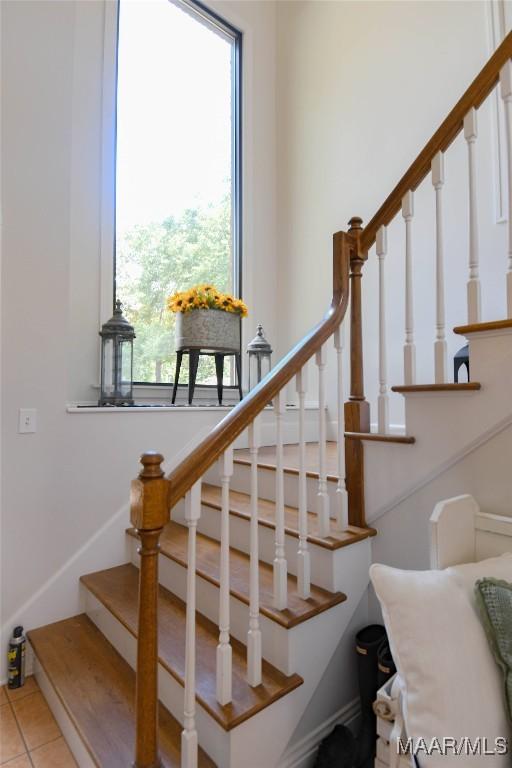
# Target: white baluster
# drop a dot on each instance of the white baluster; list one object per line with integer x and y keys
{"x": 254, "y": 633}
{"x": 303, "y": 559}
{"x": 440, "y": 346}
{"x": 280, "y": 564}
{"x": 341, "y": 490}
{"x": 224, "y": 654}
{"x": 383, "y": 399}
{"x": 189, "y": 733}
{"x": 409, "y": 346}
{"x": 506, "y": 95}
{"x": 322, "y": 496}
{"x": 473, "y": 287}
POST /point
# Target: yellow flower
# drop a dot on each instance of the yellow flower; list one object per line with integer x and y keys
{"x": 205, "y": 296}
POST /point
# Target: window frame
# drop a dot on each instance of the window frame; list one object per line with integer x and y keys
{"x": 211, "y": 19}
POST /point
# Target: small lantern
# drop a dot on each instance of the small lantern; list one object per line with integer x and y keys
{"x": 259, "y": 351}
{"x": 117, "y": 360}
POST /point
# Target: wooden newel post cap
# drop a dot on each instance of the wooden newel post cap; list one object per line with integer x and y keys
{"x": 355, "y": 223}
{"x": 151, "y": 464}
{"x": 149, "y": 495}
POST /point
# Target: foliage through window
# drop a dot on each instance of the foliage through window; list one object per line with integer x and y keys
{"x": 177, "y": 169}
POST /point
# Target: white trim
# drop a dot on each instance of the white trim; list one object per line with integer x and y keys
{"x": 69, "y": 731}
{"x": 92, "y": 408}
{"x": 444, "y": 466}
{"x": 296, "y": 755}
{"x": 86, "y": 408}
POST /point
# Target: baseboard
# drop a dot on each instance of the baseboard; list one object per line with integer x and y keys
{"x": 302, "y": 753}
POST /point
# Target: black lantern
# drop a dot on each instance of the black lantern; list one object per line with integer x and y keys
{"x": 259, "y": 351}
{"x": 117, "y": 360}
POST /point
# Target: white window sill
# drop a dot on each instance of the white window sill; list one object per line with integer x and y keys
{"x": 144, "y": 408}
{"x": 85, "y": 408}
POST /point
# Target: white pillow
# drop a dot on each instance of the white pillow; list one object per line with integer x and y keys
{"x": 451, "y": 685}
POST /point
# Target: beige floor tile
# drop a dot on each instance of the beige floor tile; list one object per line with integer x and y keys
{"x": 19, "y": 762}
{"x": 19, "y": 693}
{"x": 3, "y": 696}
{"x": 11, "y": 743}
{"x": 53, "y": 755}
{"x": 36, "y": 722}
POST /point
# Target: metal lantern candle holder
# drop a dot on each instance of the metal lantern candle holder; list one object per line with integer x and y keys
{"x": 117, "y": 360}
{"x": 259, "y": 351}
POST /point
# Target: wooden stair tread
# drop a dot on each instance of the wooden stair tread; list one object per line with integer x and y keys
{"x": 291, "y": 459}
{"x": 173, "y": 544}
{"x": 240, "y": 506}
{"x": 96, "y": 687}
{"x": 494, "y": 325}
{"x": 117, "y": 589}
{"x": 380, "y": 438}
{"x": 463, "y": 387}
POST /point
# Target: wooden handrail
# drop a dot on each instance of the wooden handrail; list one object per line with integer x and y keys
{"x": 477, "y": 92}
{"x": 211, "y": 448}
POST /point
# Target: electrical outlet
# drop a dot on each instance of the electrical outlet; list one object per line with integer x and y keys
{"x": 27, "y": 420}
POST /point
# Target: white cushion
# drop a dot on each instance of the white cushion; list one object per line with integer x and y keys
{"x": 451, "y": 685}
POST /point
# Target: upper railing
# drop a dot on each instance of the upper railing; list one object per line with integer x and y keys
{"x": 449, "y": 129}
{"x": 463, "y": 118}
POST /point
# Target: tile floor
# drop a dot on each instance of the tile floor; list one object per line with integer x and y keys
{"x": 29, "y": 735}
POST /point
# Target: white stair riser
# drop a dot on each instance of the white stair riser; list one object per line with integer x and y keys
{"x": 276, "y": 640}
{"x": 212, "y": 737}
{"x": 267, "y": 486}
{"x": 73, "y": 738}
{"x": 321, "y": 558}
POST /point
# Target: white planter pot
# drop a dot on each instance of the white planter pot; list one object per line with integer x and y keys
{"x": 208, "y": 329}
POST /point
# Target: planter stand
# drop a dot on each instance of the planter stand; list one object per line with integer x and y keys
{"x": 193, "y": 360}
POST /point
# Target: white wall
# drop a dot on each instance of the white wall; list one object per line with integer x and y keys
{"x": 60, "y": 485}
{"x": 362, "y": 86}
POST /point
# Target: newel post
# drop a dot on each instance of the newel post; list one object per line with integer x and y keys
{"x": 149, "y": 514}
{"x": 357, "y": 409}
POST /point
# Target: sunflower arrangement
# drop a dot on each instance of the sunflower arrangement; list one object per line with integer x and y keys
{"x": 205, "y": 296}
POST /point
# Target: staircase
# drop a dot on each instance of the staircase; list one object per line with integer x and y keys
{"x": 85, "y": 664}
{"x": 220, "y": 636}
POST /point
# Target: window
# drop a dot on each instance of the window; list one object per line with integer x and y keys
{"x": 178, "y": 189}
